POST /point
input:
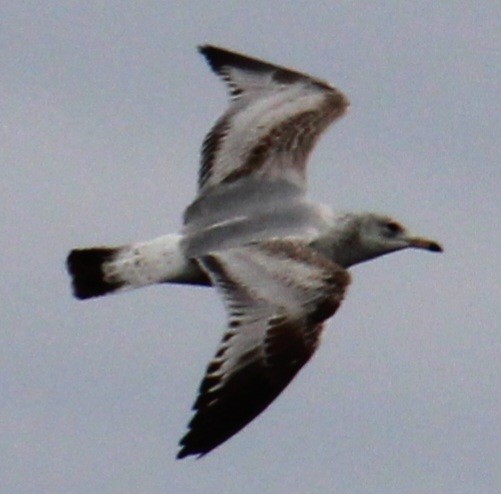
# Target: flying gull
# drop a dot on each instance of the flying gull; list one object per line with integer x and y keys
{"x": 278, "y": 260}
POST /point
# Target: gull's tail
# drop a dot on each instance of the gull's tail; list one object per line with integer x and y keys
{"x": 98, "y": 271}
{"x": 87, "y": 268}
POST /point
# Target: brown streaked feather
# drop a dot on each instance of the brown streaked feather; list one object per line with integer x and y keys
{"x": 292, "y": 139}
{"x": 276, "y": 317}
{"x": 221, "y": 412}
{"x": 276, "y": 140}
{"x": 210, "y": 148}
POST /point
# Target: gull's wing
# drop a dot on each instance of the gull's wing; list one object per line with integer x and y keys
{"x": 277, "y": 294}
{"x": 273, "y": 121}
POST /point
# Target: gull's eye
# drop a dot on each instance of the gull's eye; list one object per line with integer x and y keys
{"x": 393, "y": 228}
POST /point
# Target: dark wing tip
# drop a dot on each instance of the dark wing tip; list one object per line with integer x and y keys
{"x": 221, "y": 413}
{"x": 181, "y": 454}
{"x": 218, "y": 58}
{"x": 435, "y": 247}
{"x": 184, "y": 452}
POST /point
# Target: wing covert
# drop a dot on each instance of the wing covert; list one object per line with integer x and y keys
{"x": 275, "y": 118}
{"x": 277, "y": 295}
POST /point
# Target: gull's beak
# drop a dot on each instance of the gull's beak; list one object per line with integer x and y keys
{"x": 424, "y": 243}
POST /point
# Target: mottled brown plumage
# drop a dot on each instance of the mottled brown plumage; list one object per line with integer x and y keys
{"x": 278, "y": 260}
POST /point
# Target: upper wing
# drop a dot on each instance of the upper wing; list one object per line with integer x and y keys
{"x": 277, "y": 294}
{"x": 272, "y": 124}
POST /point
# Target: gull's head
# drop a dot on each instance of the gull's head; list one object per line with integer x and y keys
{"x": 367, "y": 235}
{"x": 381, "y": 235}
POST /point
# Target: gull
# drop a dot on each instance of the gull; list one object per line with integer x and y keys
{"x": 278, "y": 260}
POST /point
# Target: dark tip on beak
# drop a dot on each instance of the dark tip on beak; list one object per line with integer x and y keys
{"x": 435, "y": 247}
{"x": 426, "y": 244}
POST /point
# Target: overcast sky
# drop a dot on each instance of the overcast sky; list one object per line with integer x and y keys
{"x": 103, "y": 106}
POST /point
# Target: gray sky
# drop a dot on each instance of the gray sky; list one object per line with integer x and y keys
{"x": 103, "y": 106}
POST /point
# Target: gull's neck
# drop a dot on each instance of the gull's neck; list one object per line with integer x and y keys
{"x": 342, "y": 243}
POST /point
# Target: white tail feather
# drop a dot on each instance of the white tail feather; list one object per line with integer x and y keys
{"x": 101, "y": 270}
